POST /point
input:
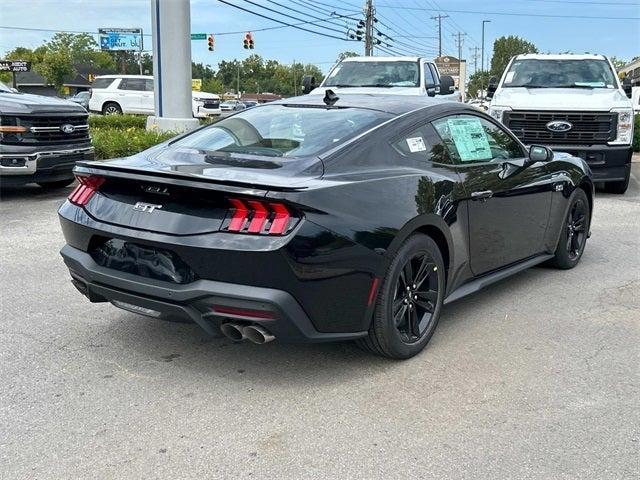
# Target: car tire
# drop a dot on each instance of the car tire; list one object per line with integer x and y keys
{"x": 618, "y": 187}
{"x": 111, "y": 108}
{"x": 404, "y": 320}
{"x": 57, "y": 184}
{"x": 575, "y": 230}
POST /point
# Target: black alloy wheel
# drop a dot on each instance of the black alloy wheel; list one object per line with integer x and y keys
{"x": 409, "y": 300}
{"x": 576, "y": 229}
{"x": 416, "y": 295}
{"x": 574, "y": 233}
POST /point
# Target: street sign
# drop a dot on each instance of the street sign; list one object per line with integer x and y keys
{"x": 198, "y": 36}
{"x": 448, "y": 65}
{"x": 122, "y": 39}
{"x": 14, "y": 66}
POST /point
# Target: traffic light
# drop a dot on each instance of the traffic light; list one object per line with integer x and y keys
{"x": 248, "y": 41}
{"x": 211, "y": 42}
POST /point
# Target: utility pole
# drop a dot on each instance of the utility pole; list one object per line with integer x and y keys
{"x": 475, "y": 56}
{"x": 368, "y": 33}
{"x": 439, "y": 17}
{"x": 238, "y": 83}
{"x": 459, "y": 37}
{"x": 482, "y": 60}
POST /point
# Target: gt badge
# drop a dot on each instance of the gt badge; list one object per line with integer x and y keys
{"x": 146, "y": 207}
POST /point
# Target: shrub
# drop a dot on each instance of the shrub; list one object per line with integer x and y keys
{"x": 117, "y": 121}
{"x": 636, "y": 134}
{"x": 117, "y": 142}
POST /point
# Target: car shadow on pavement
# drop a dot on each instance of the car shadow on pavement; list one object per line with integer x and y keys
{"x": 186, "y": 346}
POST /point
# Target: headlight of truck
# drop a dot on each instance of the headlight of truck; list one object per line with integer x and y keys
{"x": 624, "y": 132}
{"x": 498, "y": 112}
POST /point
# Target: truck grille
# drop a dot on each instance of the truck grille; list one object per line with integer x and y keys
{"x": 48, "y": 129}
{"x": 589, "y": 128}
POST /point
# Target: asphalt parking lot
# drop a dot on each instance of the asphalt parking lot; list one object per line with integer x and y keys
{"x": 536, "y": 377}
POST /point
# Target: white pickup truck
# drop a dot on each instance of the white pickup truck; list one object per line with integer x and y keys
{"x": 385, "y": 75}
{"x": 571, "y": 103}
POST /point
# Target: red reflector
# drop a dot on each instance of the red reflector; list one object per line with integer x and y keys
{"x": 281, "y": 219}
{"x": 243, "y": 312}
{"x": 239, "y": 215}
{"x": 373, "y": 291}
{"x": 260, "y": 214}
{"x": 87, "y": 186}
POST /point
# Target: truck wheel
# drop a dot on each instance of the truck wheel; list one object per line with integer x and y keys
{"x": 111, "y": 108}
{"x": 618, "y": 187}
{"x": 56, "y": 184}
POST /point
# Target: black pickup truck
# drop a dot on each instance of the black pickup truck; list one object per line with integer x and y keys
{"x": 41, "y": 139}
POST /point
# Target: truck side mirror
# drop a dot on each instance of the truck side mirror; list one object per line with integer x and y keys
{"x": 308, "y": 83}
{"x": 627, "y": 87}
{"x": 446, "y": 85}
{"x": 492, "y": 87}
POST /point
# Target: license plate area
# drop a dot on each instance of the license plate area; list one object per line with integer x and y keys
{"x": 142, "y": 260}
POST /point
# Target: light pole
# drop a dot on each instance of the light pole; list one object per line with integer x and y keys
{"x": 482, "y": 61}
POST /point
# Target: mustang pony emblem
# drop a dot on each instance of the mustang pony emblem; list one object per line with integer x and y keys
{"x": 146, "y": 207}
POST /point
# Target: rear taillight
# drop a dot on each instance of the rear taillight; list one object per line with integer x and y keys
{"x": 87, "y": 186}
{"x": 259, "y": 218}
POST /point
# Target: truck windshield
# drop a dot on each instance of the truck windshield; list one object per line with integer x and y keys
{"x": 535, "y": 73}
{"x": 283, "y": 130}
{"x": 386, "y": 74}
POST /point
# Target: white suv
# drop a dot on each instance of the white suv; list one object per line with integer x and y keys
{"x": 115, "y": 94}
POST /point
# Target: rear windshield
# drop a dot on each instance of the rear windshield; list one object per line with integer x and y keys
{"x": 533, "y": 73}
{"x": 102, "y": 82}
{"x": 375, "y": 74}
{"x": 283, "y": 131}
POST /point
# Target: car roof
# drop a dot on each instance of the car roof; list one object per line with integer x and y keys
{"x": 395, "y": 104}
{"x": 146, "y": 77}
{"x": 560, "y": 56}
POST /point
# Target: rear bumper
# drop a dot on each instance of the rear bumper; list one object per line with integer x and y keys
{"x": 22, "y": 167}
{"x": 607, "y": 163}
{"x": 196, "y": 301}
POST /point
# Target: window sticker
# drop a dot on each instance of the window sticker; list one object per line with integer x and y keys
{"x": 416, "y": 144}
{"x": 470, "y": 139}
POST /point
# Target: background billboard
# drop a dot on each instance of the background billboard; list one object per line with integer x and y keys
{"x": 121, "y": 39}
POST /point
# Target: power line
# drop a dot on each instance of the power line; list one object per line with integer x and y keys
{"x": 287, "y": 15}
{"x": 296, "y": 26}
{"x": 439, "y": 18}
{"x": 512, "y": 14}
{"x": 332, "y": 22}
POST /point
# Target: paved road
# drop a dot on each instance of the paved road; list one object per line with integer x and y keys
{"x": 537, "y": 377}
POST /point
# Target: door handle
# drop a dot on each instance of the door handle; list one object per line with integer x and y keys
{"x": 483, "y": 195}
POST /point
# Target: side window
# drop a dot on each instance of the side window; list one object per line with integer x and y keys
{"x": 471, "y": 139}
{"x": 136, "y": 84}
{"x": 429, "y": 79}
{"x": 101, "y": 83}
{"x": 148, "y": 85}
{"x": 416, "y": 145}
{"x": 434, "y": 72}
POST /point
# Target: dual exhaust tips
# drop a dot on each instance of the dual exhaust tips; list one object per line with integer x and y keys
{"x": 253, "y": 333}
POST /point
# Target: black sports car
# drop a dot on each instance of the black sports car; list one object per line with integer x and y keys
{"x": 322, "y": 218}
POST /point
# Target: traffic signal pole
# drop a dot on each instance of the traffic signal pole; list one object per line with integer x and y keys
{"x": 171, "y": 33}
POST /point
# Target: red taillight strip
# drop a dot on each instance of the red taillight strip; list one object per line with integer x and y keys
{"x": 372, "y": 291}
{"x": 239, "y": 215}
{"x": 260, "y": 214}
{"x": 87, "y": 186}
{"x": 281, "y": 219}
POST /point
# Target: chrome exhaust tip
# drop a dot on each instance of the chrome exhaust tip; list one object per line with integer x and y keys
{"x": 257, "y": 334}
{"x": 233, "y": 331}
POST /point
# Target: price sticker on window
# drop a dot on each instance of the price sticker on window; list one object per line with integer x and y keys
{"x": 416, "y": 144}
{"x": 470, "y": 139}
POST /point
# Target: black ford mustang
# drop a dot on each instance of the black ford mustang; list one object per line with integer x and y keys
{"x": 317, "y": 219}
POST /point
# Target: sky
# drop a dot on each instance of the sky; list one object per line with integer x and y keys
{"x": 613, "y": 30}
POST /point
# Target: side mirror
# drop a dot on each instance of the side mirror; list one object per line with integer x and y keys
{"x": 627, "y": 87}
{"x": 539, "y": 153}
{"x": 308, "y": 83}
{"x": 446, "y": 85}
{"x": 492, "y": 87}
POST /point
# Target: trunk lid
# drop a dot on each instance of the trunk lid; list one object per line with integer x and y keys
{"x": 182, "y": 191}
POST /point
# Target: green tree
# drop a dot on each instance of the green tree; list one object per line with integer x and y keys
{"x": 213, "y": 85}
{"x": 81, "y": 49}
{"x": 506, "y": 47}
{"x": 477, "y": 82}
{"x": 618, "y": 63}
{"x": 55, "y": 67}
